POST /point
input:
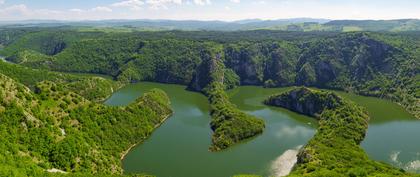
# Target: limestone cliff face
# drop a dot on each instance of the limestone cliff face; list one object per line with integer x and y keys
{"x": 353, "y": 57}
{"x": 257, "y": 63}
{"x": 324, "y": 63}
{"x": 246, "y": 63}
{"x": 305, "y": 101}
{"x": 207, "y": 67}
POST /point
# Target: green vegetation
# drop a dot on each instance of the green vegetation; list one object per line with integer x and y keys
{"x": 334, "y": 150}
{"x": 230, "y": 125}
{"x": 361, "y": 62}
{"x": 376, "y": 64}
{"x": 54, "y": 127}
{"x": 94, "y": 89}
{"x": 246, "y": 176}
{"x": 297, "y": 24}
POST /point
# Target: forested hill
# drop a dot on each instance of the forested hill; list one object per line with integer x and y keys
{"x": 296, "y": 24}
{"x": 384, "y": 65}
{"x": 335, "y": 148}
{"x": 54, "y": 128}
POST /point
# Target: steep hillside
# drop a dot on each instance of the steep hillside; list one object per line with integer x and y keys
{"x": 335, "y": 149}
{"x": 383, "y": 65}
{"x": 93, "y": 88}
{"x": 229, "y": 125}
{"x": 54, "y": 128}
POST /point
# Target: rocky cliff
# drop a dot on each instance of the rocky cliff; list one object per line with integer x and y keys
{"x": 229, "y": 125}
{"x": 306, "y": 101}
{"x": 335, "y": 148}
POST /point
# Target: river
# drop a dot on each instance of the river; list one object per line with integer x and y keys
{"x": 179, "y": 148}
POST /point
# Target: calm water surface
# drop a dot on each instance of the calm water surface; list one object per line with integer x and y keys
{"x": 179, "y": 148}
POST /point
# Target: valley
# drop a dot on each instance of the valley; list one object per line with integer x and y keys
{"x": 207, "y": 116}
{"x": 187, "y": 133}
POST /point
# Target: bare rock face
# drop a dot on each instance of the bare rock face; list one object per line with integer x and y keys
{"x": 305, "y": 101}
{"x": 246, "y": 64}
{"x": 201, "y": 77}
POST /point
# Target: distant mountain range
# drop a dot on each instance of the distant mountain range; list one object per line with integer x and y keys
{"x": 295, "y": 24}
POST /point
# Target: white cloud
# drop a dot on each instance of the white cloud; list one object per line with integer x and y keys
{"x": 202, "y": 2}
{"x": 184, "y": 10}
{"x": 76, "y": 10}
{"x": 15, "y": 9}
{"x": 101, "y": 9}
{"x": 2, "y": 2}
{"x": 162, "y": 4}
{"x": 131, "y": 4}
{"x": 153, "y": 4}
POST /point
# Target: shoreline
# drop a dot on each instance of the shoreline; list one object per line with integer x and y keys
{"x": 124, "y": 153}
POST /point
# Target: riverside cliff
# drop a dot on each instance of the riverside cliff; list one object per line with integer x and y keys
{"x": 335, "y": 149}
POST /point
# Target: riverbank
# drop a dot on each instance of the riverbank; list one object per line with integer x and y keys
{"x": 187, "y": 133}
{"x": 134, "y": 145}
{"x": 335, "y": 149}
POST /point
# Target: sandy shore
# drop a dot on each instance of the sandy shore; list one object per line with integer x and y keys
{"x": 284, "y": 164}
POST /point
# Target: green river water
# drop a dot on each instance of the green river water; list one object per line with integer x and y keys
{"x": 179, "y": 148}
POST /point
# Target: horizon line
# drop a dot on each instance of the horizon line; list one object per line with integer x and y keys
{"x": 203, "y": 20}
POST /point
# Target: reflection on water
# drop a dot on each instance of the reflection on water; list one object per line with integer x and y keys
{"x": 411, "y": 166}
{"x": 293, "y": 131}
{"x": 179, "y": 148}
{"x": 395, "y": 142}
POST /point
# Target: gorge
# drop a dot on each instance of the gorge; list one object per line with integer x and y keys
{"x": 97, "y": 88}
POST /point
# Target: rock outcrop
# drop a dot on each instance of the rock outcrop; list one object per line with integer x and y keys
{"x": 335, "y": 149}
{"x": 306, "y": 101}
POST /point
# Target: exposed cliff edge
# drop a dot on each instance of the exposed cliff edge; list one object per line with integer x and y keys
{"x": 230, "y": 125}
{"x": 306, "y": 101}
{"x": 366, "y": 63}
{"x": 334, "y": 150}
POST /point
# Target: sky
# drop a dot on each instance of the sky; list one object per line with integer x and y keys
{"x": 226, "y": 10}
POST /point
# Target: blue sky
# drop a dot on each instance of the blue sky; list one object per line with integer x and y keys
{"x": 227, "y": 10}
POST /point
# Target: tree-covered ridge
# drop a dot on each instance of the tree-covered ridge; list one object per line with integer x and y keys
{"x": 53, "y": 127}
{"x": 384, "y": 65}
{"x": 93, "y": 88}
{"x": 229, "y": 125}
{"x": 335, "y": 149}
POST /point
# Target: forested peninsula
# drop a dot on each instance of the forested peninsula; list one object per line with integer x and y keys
{"x": 54, "y": 80}
{"x": 335, "y": 149}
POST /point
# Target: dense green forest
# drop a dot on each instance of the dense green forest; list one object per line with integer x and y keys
{"x": 334, "y": 150}
{"x": 93, "y": 88}
{"x": 52, "y": 127}
{"x": 384, "y": 65}
{"x": 51, "y": 91}
{"x": 229, "y": 124}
